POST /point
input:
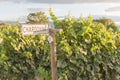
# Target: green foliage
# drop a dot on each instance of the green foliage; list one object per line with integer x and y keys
{"x": 85, "y": 51}
{"x": 108, "y": 23}
{"x": 21, "y": 56}
{"x": 43, "y": 73}
{"x": 37, "y": 18}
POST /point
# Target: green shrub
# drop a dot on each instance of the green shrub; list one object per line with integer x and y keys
{"x": 21, "y": 56}
{"x": 85, "y": 51}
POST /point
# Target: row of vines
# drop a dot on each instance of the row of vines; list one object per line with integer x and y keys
{"x": 86, "y": 50}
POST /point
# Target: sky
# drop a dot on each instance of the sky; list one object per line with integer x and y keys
{"x": 13, "y": 10}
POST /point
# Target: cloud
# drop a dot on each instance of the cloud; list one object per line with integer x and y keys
{"x": 4, "y": 0}
{"x": 16, "y": 1}
{"x": 71, "y": 1}
{"x": 112, "y": 9}
{"x": 66, "y": 1}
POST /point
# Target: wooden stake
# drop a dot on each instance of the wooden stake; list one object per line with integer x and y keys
{"x": 53, "y": 54}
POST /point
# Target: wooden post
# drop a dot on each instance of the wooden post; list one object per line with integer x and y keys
{"x": 53, "y": 53}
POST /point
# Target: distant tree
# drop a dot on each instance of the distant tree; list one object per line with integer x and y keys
{"x": 109, "y": 23}
{"x": 1, "y": 24}
{"x": 37, "y": 18}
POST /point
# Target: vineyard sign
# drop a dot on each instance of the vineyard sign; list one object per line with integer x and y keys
{"x": 30, "y": 29}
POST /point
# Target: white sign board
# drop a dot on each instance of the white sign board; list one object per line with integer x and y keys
{"x": 29, "y": 29}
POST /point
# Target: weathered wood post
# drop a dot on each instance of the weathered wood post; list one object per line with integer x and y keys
{"x": 53, "y": 57}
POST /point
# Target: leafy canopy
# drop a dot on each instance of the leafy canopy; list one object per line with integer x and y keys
{"x": 37, "y": 18}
